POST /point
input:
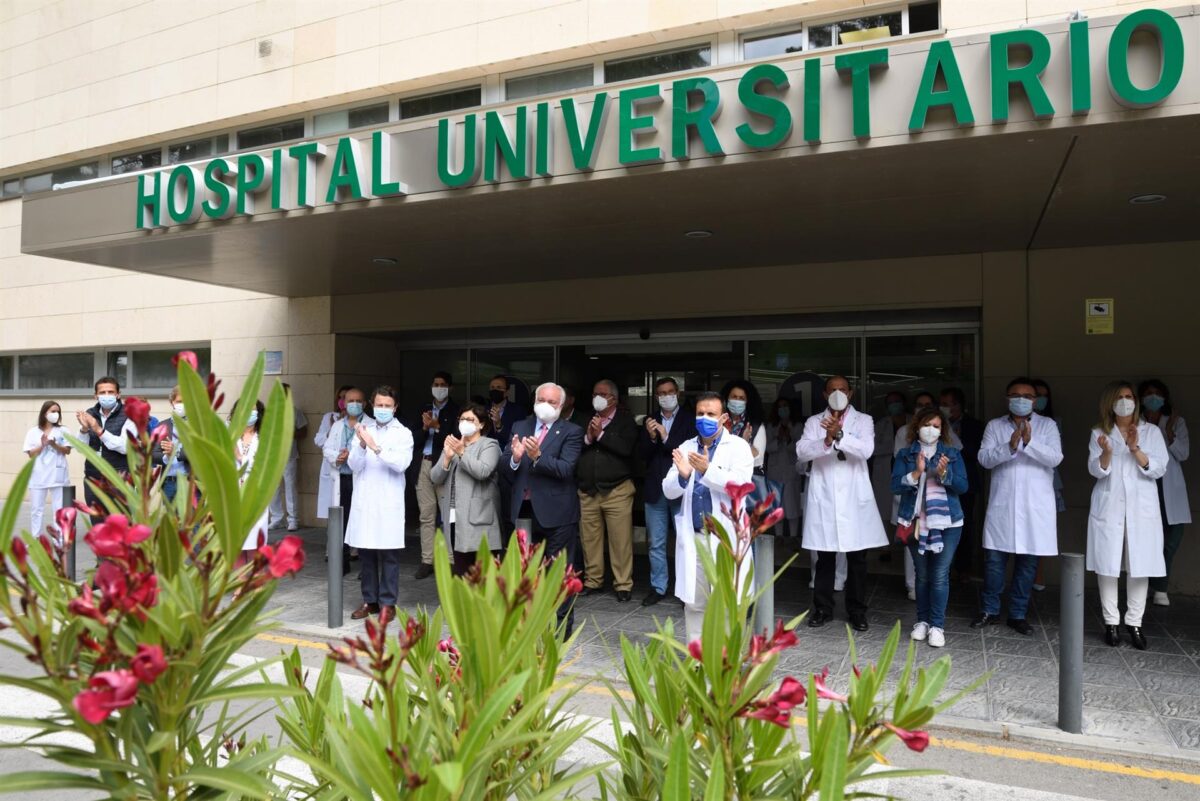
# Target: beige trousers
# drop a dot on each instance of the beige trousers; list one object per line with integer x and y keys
{"x": 610, "y": 511}
{"x": 427, "y": 503}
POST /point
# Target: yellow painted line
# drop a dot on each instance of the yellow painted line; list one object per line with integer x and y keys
{"x": 285, "y": 640}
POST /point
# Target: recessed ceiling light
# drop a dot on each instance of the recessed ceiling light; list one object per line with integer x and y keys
{"x": 699, "y": 233}
{"x": 931, "y": 350}
{"x": 385, "y": 261}
{"x": 1147, "y": 199}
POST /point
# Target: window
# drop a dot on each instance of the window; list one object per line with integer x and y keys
{"x": 440, "y": 103}
{"x": 911, "y": 364}
{"x": 132, "y": 162}
{"x": 924, "y": 17}
{"x": 270, "y": 134}
{"x": 773, "y": 44}
{"x": 346, "y": 119}
{"x": 150, "y": 369}
{"x": 199, "y": 149}
{"x": 79, "y": 172}
{"x": 6, "y": 372}
{"x": 38, "y": 183}
{"x": 627, "y": 69}
{"x": 855, "y": 30}
{"x": 11, "y": 187}
{"x": 56, "y": 370}
{"x": 798, "y": 368}
{"x": 548, "y": 82}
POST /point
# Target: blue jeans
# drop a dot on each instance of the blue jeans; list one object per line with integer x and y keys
{"x": 170, "y": 483}
{"x": 660, "y": 519}
{"x": 933, "y": 577}
{"x": 995, "y": 565}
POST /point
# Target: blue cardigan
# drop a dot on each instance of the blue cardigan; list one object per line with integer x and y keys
{"x": 956, "y": 478}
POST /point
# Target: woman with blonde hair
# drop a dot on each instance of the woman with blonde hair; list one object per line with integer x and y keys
{"x": 1127, "y": 456}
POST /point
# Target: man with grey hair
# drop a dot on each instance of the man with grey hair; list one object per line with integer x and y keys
{"x": 606, "y": 491}
{"x": 540, "y": 462}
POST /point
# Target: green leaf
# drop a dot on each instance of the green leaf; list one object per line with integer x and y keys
{"x": 158, "y": 741}
{"x": 231, "y": 780}
{"x": 715, "y": 791}
{"x": 215, "y": 469}
{"x": 274, "y": 443}
{"x": 676, "y": 787}
{"x": 30, "y": 780}
{"x": 833, "y": 753}
{"x": 450, "y": 775}
{"x": 12, "y": 506}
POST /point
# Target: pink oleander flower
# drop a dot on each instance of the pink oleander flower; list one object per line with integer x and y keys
{"x": 771, "y": 714}
{"x": 138, "y": 411}
{"x": 113, "y": 538}
{"x": 186, "y": 356}
{"x": 285, "y": 560}
{"x": 85, "y": 606}
{"x": 915, "y": 740}
{"x": 572, "y": 585}
{"x": 20, "y": 554}
{"x": 737, "y": 493}
{"x": 113, "y": 689}
{"x": 64, "y": 520}
{"x": 823, "y": 692}
{"x": 149, "y": 663}
{"x": 791, "y": 694}
{"x": 695, "y": 650}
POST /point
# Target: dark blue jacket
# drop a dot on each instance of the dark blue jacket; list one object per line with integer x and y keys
{"x": 956, "y": 478}
{"x": 509, "y": 417}
{"x": 553, "y": 491}
{"x": 657, "y": 455}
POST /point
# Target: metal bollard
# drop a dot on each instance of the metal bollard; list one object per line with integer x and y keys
{"x": 333, "y": 545}
{"x": 1070, "y": 645}
{"x": 68, "y": 502}
{"x": 764, "y": 570}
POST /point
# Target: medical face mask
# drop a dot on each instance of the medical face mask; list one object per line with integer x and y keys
{"x": 838, "y": 400}
{"x": 895, "y": 409}
{"x": 545, "y": 412}
{"x": 354, "y": 409}
{"x": 1124, "y": 407}
{"x": 1041, "y": 403}
{"x": 737, "y": 407}
{"x": 467, "y": 429}
{"x": 496, "y": 395}
{"x": 384, "y": 416}
{"x": 929, "y": 434}
{"x": 707, "y": 427}
{"x": 108, "y": 402}
{"x": 1154, "y": 403}
{"x": 179, "y": 409}
{"x": 599, "y": 403}
{"x": 252, "y": 419}
{"x": 1020, "y": 407}
{"x": 440, "y": 393}
{"x": 945, "y": 410}
{"x": 668, "y": 403}
{"x": 51, "y": 417}
{"x": 784, "y": 412}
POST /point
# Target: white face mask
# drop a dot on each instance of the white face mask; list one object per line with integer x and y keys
{"x": 929, "y": 434}
{"x": 945, "y": 410}
{"x": 599, "y": 403}
{"x": 669, "y": 403}
{"x": 1124, "y": 407}
{"x": 545, "y": 412}
{"x": 178, "y": 409}
{"x": 467, "y": 429}
{"x": 440, "y": 393}
{"x": 51, "y": 417}
{"x": 838, "y": 400}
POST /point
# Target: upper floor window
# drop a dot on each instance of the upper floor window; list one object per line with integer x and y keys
{"x": 198, "y": 149}
{"x": 440, "y": 102}
{"x": 150, "y": 369}
{"x": 349, "y": 118}
{"x": 628, "y": 69}
{"x": 56, "y": 370}
{"x": 132, "y": 162}
{"x": 6, "y": 372}
{"x": 856, "y": 29}
{"x": 270, "y": 134}
{"x": 11, "y": 187}
{"x": 773, "y": 44}
{"x": 549, "y": 82}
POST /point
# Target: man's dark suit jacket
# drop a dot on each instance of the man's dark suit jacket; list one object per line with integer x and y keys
{"x": 551, "y": 479}
{"x": 657, "y": 455}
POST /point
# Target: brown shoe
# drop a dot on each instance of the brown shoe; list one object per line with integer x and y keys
{"x": 389, "y": 610}
{"x": 364, "y": 610}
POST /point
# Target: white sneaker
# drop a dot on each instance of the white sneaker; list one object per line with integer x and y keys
{"x": 920, "y": 631}
{"x": 912, "y": 593}
{"x": 937, "y": 637}
{"x": 838, "y": 587}
{"x": 1161, "y": 599}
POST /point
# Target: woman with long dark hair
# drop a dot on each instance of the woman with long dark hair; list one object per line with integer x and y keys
{"x": 1158, "y": 410}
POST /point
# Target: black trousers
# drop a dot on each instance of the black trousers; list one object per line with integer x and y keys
{"x": 856, "y": 582}
{"x": 558, "y": 539}
{"x": 346, "y": 486}
{"x": 968, "y": 544}
{"x": 379, "y": 573}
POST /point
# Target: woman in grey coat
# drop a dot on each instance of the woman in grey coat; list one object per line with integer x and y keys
{"x": 468, "y": 493}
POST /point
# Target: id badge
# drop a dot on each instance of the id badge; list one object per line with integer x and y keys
{"x": 452, "y": 517}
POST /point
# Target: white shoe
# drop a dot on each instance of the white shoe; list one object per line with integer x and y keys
{"x": 1161, "y": 599}
{"x": 1039, "y": 587}
{"x": 920, "y": 631}
{"x": 810, "y": 584}
{"x": 838, "y": 587}
{"x": 912, "y": 593}
{"x": 937, "y": 637}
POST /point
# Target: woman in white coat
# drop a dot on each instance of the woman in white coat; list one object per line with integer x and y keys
{"x": 325, "y": 490}
{"x": 781, "y": 435}
{"x": 46, "y": 444}
{"x": 702, "y": 468}
{"x": 1127, "y": 456}
{"x": 245, "y": 451}
{"x": 1172, "y": 489}
{"x": 380, "y": 453}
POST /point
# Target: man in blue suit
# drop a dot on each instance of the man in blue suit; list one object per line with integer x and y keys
{"x": 540, "y": 462}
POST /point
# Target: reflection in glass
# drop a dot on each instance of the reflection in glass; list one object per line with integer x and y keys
{"x": 775, "y": 44}
{"x": 6, "y": 372}
{"x": 627, "y": 69}
{"x": 525, "y": 368}
{"x": 416, "y": 370}
{"x": 798, "y": 368}
{"x": 270, "y": 134}
{"x": 549, "y": 82}
{"x": 440, "y": 103}
{"x": 56, "y": 370}
{"x": 910, "y": 364}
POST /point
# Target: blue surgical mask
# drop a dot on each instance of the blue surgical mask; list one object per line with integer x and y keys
{"x": 253, "y": 418}
{"x": 108, "y": 402}
{"x": 895, "y": 408}
{"x": 1041, "y": 403}
{"x": 707, "y": 427}
{"x": 737, "y": 407}
{"x": 1154, "y": 403}
{"x": 784, "y": 412}
{"x": 1020, "y": 407}
{"x": 384, "y": 416}
{"x": 354, "y": 409}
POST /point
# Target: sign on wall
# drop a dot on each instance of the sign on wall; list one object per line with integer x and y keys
{"x": 1098, "y": 318}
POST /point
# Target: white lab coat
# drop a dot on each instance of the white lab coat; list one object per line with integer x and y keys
{"x": 881, "y": 468}
{"x": 1175, "y": 495}
{"x": 335, "y": 440}
{"x": 1022, "y": 516}
{"x": 731, "y": 460}
{"x": 245, "y": 463}
{"x": 840, "y": 513}
{"x": 781, "y": 466}
{"x": 1125, "y": 506}
{"x": 325, "y": 485}
{"x": 377, "y": 514}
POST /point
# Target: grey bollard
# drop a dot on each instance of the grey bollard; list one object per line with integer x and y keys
{"x": 1070, "y": 645}
{"x": 333, "y": 546}
{"x": 764, "y": 570}
{"x": 68, "y": 502}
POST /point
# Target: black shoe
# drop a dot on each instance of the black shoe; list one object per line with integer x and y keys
{"x": 623, "y": 596}
{"x": 859, "y": 622}
{"x": 589, "y": 591}
{"x": 1111, "y": 636}
{"x": 984, "y": 619}
{"x": 1136, "y": 637}
{"x": 1020, "y": 626}
{"x": 654, "y": 597}
{"x": 817, "y": 619}
{"x": 424, "y": 571}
